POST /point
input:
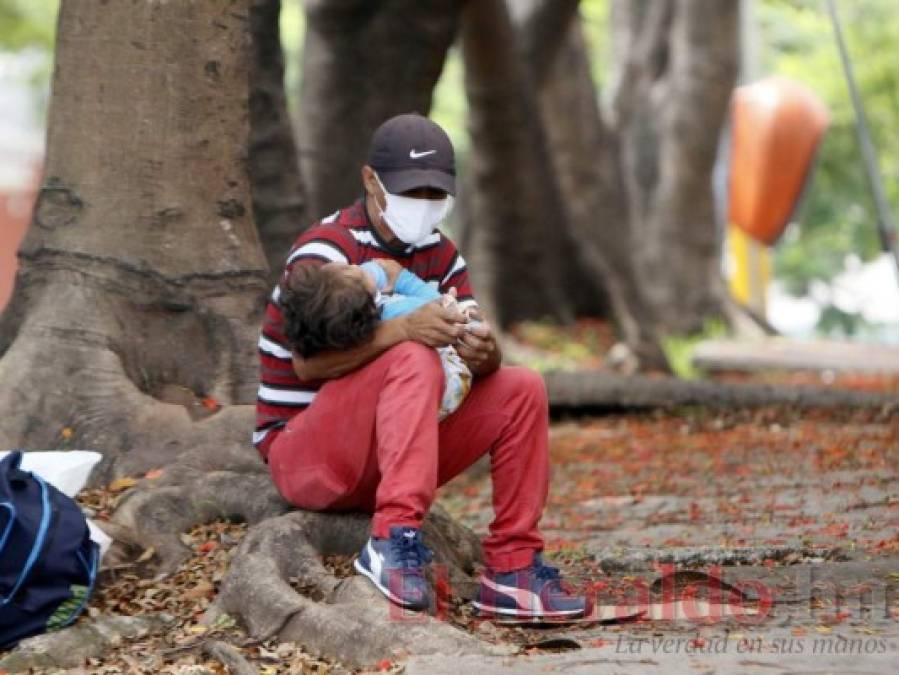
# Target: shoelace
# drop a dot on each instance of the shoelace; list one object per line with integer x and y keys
{"x": 410, "y": 551}
{"x": 546, "y": 572}
{"x": 552, "y": 575}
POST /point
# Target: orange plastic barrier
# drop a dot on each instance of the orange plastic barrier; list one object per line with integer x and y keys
{"x": 16, "y": 203}
{"x": 15, "y": 215}
{"x": 777, "y": 125}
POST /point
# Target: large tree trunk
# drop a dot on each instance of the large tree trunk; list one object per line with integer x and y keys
{"x": 675, "y": 65}
{"x": 278, "y": 207}
{"x": 363, "y": 62}
{"x": 140, "y": 294}
{"x": 585, "y": 160}
{"x": 586, "y": 157}
{"x": 514, "y": 210}
{"x": 563, "y": 201}
{"x": 635, "y": 180}
{"x": 625, "y": 193}
{"x": 141, "y": 278}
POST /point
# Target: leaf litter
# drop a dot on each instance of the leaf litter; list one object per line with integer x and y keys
{"x": 728, "y": 467}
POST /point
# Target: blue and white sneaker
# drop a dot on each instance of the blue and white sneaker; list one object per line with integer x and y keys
{"x": 535, "y": 592}
{"x": 394, "y": 566}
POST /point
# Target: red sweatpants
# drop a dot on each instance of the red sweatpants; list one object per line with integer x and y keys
{"x": 371, "y": 441}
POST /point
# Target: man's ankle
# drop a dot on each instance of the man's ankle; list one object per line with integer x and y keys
{"x": 382, "y": 530}
{"x": 511, "y": 562}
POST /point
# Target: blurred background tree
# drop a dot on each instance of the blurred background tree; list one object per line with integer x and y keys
{"x": 179, "y": 167}
{"x": 835, "y": 225}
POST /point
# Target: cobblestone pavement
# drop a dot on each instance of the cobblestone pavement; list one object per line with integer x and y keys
{"x": 798, "y": 512}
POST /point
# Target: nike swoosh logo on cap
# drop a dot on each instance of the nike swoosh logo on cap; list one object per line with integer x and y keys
{"x": 417, "y": 155}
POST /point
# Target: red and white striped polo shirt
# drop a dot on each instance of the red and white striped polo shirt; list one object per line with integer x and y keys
{"x": 346, "y": 236}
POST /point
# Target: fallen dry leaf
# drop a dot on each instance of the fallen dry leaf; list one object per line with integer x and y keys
{"x": 146, "y": 555}
{"x": 121, "y": 484}
{"x": 201, "y": 590}
{"x": 207, "y": 546}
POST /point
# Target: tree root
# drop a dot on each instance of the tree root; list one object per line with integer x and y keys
{"x": 157, "y": 511}
{"x": 345, "y": 618}
{"x": 69, "y": 647}
{"x": 228, "y": 657}
{"x": 590, "y": 390}
{"x": 277, "y": 584}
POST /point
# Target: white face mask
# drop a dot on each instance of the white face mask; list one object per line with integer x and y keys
{"x": 412, "y": 219}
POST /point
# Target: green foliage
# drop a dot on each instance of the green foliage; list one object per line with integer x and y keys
{"x": 292, "y": 24}
{"x": 679, "y": 348}
{"x": 27, "y": 23}
{"x": 28, "y": 28}
{"x": 449, "y": 107}
{"x": 224, "y": 622}
{"x": 834, "y": 321}
{"x": 838, "y": 215}
{"x": 595, "y": 17}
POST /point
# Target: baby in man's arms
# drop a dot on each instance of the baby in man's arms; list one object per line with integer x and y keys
{"x": 337, "y": 306}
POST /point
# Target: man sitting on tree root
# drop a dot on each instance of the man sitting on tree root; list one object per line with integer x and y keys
{"x": 357, "y": 429}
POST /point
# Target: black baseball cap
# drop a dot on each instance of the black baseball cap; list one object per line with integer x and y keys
{"x": 410, "y": 151}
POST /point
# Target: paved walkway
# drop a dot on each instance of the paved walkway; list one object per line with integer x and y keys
{"x": 783, "y": 354}
{"x": 800, "y": 508}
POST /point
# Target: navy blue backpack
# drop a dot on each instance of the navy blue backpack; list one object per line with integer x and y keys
{"x": 48, "y": 561}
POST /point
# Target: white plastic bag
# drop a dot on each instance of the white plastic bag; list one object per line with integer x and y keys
{"x": 67, "y": 471}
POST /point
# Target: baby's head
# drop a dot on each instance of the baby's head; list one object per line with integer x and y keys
{"x": 327, "y": 307}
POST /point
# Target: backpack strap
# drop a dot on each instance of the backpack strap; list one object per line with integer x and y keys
{"x": 38, "y": 540}
{"x": 9, "y": 524}
{"x": 13, "y": 472}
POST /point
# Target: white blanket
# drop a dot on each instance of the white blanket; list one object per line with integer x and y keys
{"x": 67, "y": 471}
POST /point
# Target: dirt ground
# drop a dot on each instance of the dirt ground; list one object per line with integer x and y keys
{"x": 796, "y": 513}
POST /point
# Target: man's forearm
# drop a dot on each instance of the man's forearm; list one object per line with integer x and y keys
{"x": 329, "y": 365}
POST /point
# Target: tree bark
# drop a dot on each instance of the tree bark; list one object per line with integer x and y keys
{"x": 586, "y": 161}
{"x": 635, "y": 178}
{"x": 140, "y": 295}
{"x": 586, "y": 391}
{"x": 543, "y": 27}
{"x": 514, "y": 208}
{"x": 278, "y": 206}
{"x": 540, "y": 24}
{"x": 676, "y": 63}
{"x": 363, "y": 62}
{"x": 141, "y": 274}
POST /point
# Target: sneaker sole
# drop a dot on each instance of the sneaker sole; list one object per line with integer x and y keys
{"x": 393, "y": 598}
{"x": 527, "y": 614}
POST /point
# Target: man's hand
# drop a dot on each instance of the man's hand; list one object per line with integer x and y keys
{"x": 393, "y": 269}
{"x": 478, "y": 347}
{"x": 435, "y": 325}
